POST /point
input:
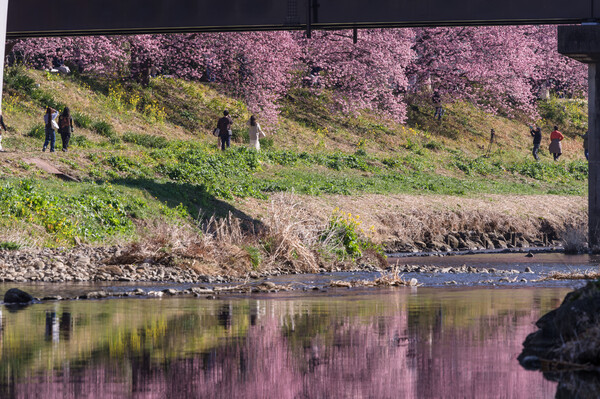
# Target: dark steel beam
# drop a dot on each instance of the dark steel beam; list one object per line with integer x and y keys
{"x": 30, "y": 18}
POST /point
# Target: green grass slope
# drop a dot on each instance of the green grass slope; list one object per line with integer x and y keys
{"x": 146, "y": 152}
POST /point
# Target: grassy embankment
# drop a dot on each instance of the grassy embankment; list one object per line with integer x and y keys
{"x": 145, "y": 156}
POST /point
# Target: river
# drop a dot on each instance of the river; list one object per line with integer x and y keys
{"x": 408, "y": 342}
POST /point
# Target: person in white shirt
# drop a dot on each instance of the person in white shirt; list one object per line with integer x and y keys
{"x": 51, "y": 126}
{"x": 255, "y": 133}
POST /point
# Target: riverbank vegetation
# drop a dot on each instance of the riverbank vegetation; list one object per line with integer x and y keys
{"x": 327, "y": 188}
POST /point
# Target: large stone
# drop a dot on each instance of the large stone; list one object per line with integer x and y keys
{"x": 578, "y": 313}
{"x": 15, "y": 295}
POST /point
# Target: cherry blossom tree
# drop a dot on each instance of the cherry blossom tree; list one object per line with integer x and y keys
{"x": 496, "y": 68}
{"x": 554, "y": 70}
{"x": 489, "y": 66}
{"x": 367, "y": 75}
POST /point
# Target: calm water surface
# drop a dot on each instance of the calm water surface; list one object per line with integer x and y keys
{"x": 400, "y": 343}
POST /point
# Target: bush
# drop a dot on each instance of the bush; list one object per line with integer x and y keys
{"x": 82, "y": 120}
{"x": 10, "y": 246}
{"x": 145, "y": 140}
{"x": 240, "y": 135}
{"x": 344, "y": 231}
{"x": 104, "y": 129}
{"x": 38, "y": 131}
{"x": 266, "y": 143}
{"x": 80, "y": 141}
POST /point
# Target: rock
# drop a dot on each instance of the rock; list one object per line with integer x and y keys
{"x": 413, "y": 282}
{"x": 452, "y": 241}
{"x": 38, "y": 264}
{"x": 202, "y": 291}
{"x": 529, "y": 255}
{"x": 500, "y": 244}
{"x": 531, "y": 362}
{"x": 268, "y": 285}
{"x": 562, "y": 332}
{"x": 58, "y": 266}
{"x": 157, "y": 294}
{"x": 96, "y": 295}
{"x": 15, "y": 295}
{"x": 84, "y": 260}
{"x": 52, "y": 298}
{"x": 420, "y": 244}
{"x": 170, "y": 291}
{"x": 528, "y": 270}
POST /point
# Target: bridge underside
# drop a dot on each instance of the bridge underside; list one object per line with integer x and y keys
{"x": 31, "y": 18}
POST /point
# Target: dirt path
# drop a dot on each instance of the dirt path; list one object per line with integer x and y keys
{"x": 49, "y": 168}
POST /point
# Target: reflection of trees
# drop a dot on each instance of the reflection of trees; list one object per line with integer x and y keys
{"x": 395, "y": 345}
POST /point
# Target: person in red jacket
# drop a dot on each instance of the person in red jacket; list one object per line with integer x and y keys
{"x": 555, "y": 145}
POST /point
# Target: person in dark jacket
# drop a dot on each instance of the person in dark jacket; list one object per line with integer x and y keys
{"x": 224, "y": 126}
{"x": 65, "y": 127}
{"x": 537, "y": 140}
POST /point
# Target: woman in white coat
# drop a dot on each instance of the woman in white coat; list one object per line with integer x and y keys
{"x": 255, "y": 133}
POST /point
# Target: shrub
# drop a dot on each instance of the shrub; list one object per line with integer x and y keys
{"x": 240, "y": 135}
{"x": 82, "y": 120}
{"x": 10, "y": 246}
{"x": 104, "y": 129}
{"x": 38, "y": 131}
{"x": 145, "y": 140}
{"x": 345, "y": 233}
{"x": 80, "y": 141}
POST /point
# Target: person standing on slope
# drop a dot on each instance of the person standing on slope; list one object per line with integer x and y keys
{"x": 555, "y": 146}
{"x": 537, "y": 140}
{"x": 224, "y": 126}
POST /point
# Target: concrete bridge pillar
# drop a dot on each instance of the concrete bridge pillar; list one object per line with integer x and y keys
{"x": 583, "y": 44}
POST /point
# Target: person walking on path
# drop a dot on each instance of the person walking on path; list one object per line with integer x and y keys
{"x": 224, "y": 126}
{"x": 492, "y": 138}
{"x": 555, "y": 145}
{"x": 537, "y": 140}
{"x": 51, "y": 126}
{"x": 3, "y": 126}
{"x": 65, "y": 128}
{"x": 586, "y": 151}
{"x": 255, "y": 133}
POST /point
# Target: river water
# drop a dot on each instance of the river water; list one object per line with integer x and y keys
{"x": 370, "y": 343}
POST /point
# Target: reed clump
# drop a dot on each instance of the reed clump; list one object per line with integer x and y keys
{"x": 291, "y": 240}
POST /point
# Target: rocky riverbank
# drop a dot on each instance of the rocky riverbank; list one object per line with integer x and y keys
{"x": 98, "y": 264}
{"x": 88, "y": 264}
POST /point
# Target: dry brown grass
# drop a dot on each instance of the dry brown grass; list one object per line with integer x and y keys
{"x": 571, "y": 276}
{"x": 410, "y": 217}
{"x": 292, "y": 235}
{"x": 290, "y": 242}
{"x": 387, "y": 279}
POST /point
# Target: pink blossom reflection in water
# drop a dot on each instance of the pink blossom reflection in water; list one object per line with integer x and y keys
{"x": 393, "y": 344}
